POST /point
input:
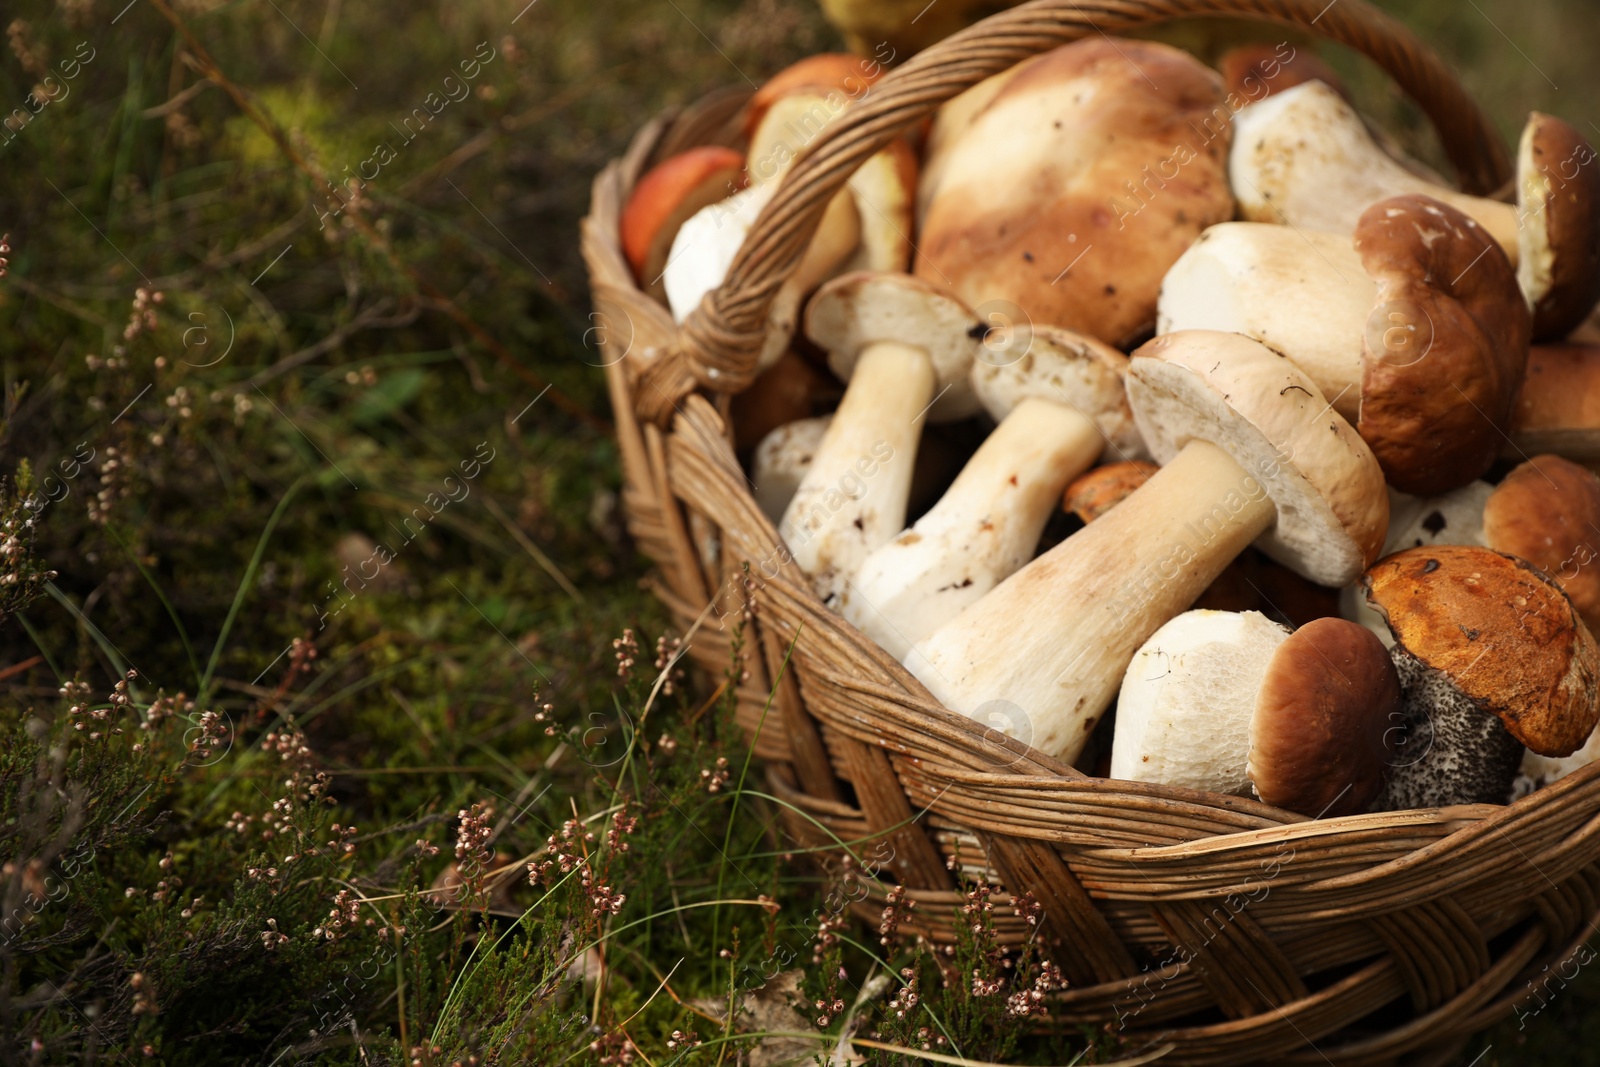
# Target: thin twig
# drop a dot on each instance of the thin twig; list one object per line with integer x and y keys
{"x": 183, "y": 97}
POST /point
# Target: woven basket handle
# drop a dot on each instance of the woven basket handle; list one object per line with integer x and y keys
{"x": 717, "y": 346}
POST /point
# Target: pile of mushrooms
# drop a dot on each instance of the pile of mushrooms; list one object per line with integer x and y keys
{"x": 1211, "y": 438}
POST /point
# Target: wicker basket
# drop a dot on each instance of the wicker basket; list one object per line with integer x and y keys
{"x": 1233, "y": 931}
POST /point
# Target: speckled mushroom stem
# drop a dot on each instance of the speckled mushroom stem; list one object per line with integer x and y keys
{"x": 1451, "y": 752}
{"x": 1056, "y": 636}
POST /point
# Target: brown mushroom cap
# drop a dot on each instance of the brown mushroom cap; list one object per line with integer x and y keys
{"x": 1559, "y": 194}
{"x": 669, "y": 193}
{"x": 792, "y": 388}
{"x": 1096, "y": 492}
{"x": 1257, "y": 70}
{"x": 1502, "y": 635}
{"x": 816, "y": 75}
{"x": 1321, "y": 739}
{"x": 1558, "y": 409}
{"x": 1437, "y": 396}
{"x": 1114, "y": 158}
{"x": 1547, "y": 511}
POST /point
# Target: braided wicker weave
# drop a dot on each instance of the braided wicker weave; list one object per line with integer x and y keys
{"x": 1233, "y": 931}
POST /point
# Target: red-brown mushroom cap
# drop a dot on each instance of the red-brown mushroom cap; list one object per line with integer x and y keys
{"x": 1321, "y": 739}
{"x": 1446, "y": 348}
{"x": 1257, "y": 70}
{"x": 819, "y": 75}
{"x": 1500, "y": 633}
{"x": 1085, "y": 177}
{"x": 1559, "y": 196}
{"x": 668, "y": 194}
{"x": 1547, "y": 511}
{"x": 1096, "y": 492}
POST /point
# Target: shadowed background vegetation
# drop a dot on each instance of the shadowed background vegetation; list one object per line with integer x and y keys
{"x": 335, "y": 468}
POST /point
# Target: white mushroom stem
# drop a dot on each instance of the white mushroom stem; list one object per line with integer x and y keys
{"x": 984, "y": 527}
{"x": 781, "y": 461}
{"x": 1055, "y": 638}
{"x": 853, "y": 498}
{"x": 1304, "y": 156}
{"x": 1303, "y": 293}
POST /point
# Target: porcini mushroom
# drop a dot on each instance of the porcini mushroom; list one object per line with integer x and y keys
{"x": 781, "y": 461}
{"x": 906, "y": 350}
{"x": 1416, "y": 331}
{"x": 1558, "y": 203}
{"x": 885, "y": 191}
{"x": 1558, "y": 409}
{"x": 1304, "y": 157}
{"x": 1235, "y": 703}
{"x": 1491, "y": 657}
{"x": 1322, "y": 736}
{"x": 1114, "y": 163}
{"x": 949, "y": 123}
{"x": 1251, "y": 451}
{"x": 1547, "y": 511}
{"x": 667, "y": 195}
{"x": 984, "y": 527}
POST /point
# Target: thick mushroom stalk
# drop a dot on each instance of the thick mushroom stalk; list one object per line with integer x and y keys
{"x": 1491, "y": 657}
{"x": 1060, "y": 399}
{"x": 1252, "y": 582}
{"x": 907, "y": 350}
{"x": 1303, "y": 157}
{"x": 1415, "y": 331}
{"x": 1252, "y": 452}
{"x": 1234, "y": 703}
{"x": 985, "y": 526}
{"x": 1183, "y": 713}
